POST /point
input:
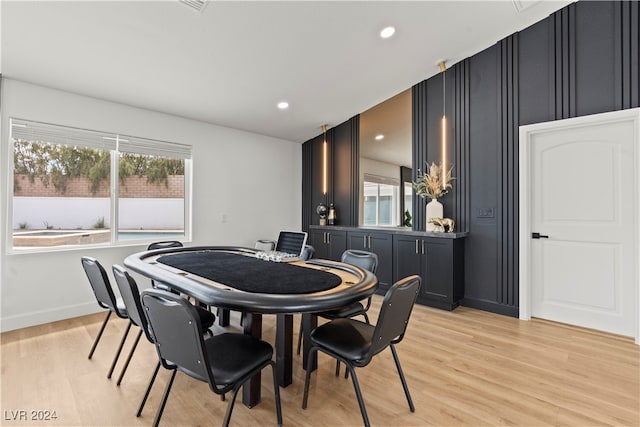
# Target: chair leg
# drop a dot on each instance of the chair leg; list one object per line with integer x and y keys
{"x": 115, "y": 359}
{"x": 404, "y": 382}
{"x": 164, "y": 399}
{"x": 126, "y": 363}
{"x": 95, "y": 342}
{"x": 146, "y": 394}
{"x": 299, "y": 338}
{"x": 312, "y": 351}
{"x": 232, "y": 401}
{"x": 366, "y": 318}
{"x": 337, "y": 367}
{"x": 356, "y": 386}
{"x": 276, "y": 393}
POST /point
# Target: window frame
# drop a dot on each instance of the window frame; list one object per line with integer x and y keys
{"x": 152, "y": 146}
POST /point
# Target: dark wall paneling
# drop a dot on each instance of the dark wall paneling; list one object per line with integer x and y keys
{"x": 307, "y": 159}
{"x": 311, "y": 180}
{"x": 481, "y": 246}
{"x": 564, "y": 60}
{"x": 508, "y": 199}
{"x": 536, "y": 73}
{"x": 461, "y": 138}
{"x": 629, "y": 14}
{"x": 355, "y": 170}
{"x": 598, "y": 67}
{"x": 342, "y": 182}
{"x": 419, "y": 142}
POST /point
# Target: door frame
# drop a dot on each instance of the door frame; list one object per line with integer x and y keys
{"x": 525, "y": 205}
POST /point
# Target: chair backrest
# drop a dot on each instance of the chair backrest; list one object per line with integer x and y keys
{"x": 362, "y": 259}
{"x": 165, "y": 244}
{"x": 100, "y": 284}
{"x": 308, "y": 252}
{"x": 131, "y": 297}
{"x": 177, "y": 333}
{"x": 291, "y": 242}
{"x": 265, "y": 245}
{"x": 394, "y": 314}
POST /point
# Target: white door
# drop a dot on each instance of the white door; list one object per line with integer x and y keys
{"x": 583, "y": 201}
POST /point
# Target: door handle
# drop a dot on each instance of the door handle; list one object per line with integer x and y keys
{"x": 538, "y": 236}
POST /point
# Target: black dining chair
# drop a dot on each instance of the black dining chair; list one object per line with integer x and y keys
{"x": 308, "y": 252}
{"x": 224, "y": 361}
{"x": 106, "y": 299}
{"x": 164, "y": 245}
{"x": 355, "y": 343}
{"x": 131, "y": 297}
{"x": 365, "y": 260}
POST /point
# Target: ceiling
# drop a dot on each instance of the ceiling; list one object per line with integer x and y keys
{"x": 233, "y": 62}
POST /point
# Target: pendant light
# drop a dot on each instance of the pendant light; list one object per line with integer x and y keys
{"x": 443, "y": 69}
{"x": 324, "y": 160}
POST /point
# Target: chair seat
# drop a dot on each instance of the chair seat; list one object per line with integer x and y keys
{"x": 351, "y": 310}
{"x": 232, "y": 356}
{"x": 349, "y": 338}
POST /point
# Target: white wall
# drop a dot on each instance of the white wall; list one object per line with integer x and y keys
{"x": 245, "y": 187}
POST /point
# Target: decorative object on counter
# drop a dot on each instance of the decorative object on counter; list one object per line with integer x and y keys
{"x": 443, "y": 224}
{"x": 407, "y": 219}
{"x": 434, "y": 182}
{"x": 331, "y": 218}
{"x": 322, "y": 211}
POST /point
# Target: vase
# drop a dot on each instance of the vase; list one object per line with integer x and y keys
{"x": 434, "y": 210}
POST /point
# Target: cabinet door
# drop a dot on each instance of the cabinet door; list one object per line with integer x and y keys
{"x": 381, "y": 244}
{"x": 439, "y": 270}
{"x": 337, "y": 245}
{"x": 317, "y": 239}
{"x": 357, "y": 241}
{"x": 407, "y": 256}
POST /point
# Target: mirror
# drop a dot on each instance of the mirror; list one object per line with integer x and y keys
{"x": 385, "y": 163}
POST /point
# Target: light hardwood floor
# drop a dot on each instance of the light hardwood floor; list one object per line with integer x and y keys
{"x": 465, "y": 367}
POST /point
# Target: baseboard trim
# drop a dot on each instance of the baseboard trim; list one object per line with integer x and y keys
{"x": 25, "y": 320}
{"x": 493, "y": 307}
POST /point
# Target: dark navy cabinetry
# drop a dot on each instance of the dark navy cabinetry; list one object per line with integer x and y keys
{"x": 440, "y": 263}
{"x": 380, "y": 244}
{"x": 436, "y": 257}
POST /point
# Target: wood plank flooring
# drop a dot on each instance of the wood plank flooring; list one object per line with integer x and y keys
{"x": 464, "y": 368}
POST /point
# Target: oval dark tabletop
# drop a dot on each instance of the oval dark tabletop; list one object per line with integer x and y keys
{"x": 234, "y": 278}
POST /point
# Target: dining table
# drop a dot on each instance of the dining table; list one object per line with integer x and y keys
{"x": 238, "y": 279}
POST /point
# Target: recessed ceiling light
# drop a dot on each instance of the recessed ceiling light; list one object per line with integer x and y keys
{"x": 283, "y": 105}
{"x": 387, "y": 32}
{"x": 379, "y": 137}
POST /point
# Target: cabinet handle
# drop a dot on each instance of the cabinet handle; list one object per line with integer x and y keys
{"x": 364, "y": 241}
{"x": 324, "y": 237}
{"x": 423, "y": 247}
{"x": 417, "y": 246}
{"x": 369, "y": 238}
{"x": 328, "y": 238}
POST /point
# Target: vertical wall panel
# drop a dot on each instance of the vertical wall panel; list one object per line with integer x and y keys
{"x": 419, "y": 142}
{"x": 597, "y": 72}
{"x": 342, "y": 183}
{"x": 481, "y": 246}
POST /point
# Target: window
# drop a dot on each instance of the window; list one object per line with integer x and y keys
{"x": 66, "y": 191}
{"x": 381, "y": 201}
